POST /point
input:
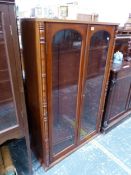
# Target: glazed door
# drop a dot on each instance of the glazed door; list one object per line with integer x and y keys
{"x": 66, "y": 43}
{"x": 8, "y": 115}
{"x": 78, "y": 64}
{"x": 94, "y": 80}
{"x": 120, "y": 97}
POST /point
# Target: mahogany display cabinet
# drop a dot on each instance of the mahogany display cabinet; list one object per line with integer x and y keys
{"x": 13, "y": 117}
{"x": 118, "y": 100}
{"x": 67, "y": 65}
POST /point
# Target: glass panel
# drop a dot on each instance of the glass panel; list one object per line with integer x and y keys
{"x": 120, "y": 94}
{"x": 93, "y": 83}
{"x": 123, "y": 44}
{"x": 7, "y": 107}
{"x": 66, "y": 61}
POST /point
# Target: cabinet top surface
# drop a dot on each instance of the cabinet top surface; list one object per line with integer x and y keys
{"x": 68, "y": 21}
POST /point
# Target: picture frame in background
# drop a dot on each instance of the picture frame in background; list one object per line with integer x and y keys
{"x": 63, "y": 12}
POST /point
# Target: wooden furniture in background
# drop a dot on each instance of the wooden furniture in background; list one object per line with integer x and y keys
{"x": 118, "y": 100}
{"x": 88, "y": 17}
{"x": 9, "y": 167}
{"x": 67, "y": 65}
{"x": 13, "y": 119}
{"x": 127, "y": 25}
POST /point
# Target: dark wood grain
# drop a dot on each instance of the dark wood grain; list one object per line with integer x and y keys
{"x": 31, "y": 55}
{"x": 118, "y": 98}
{"x": 51, "y": 66}
{"x": 119, "y": 92}
{"x": 13, "y": 117}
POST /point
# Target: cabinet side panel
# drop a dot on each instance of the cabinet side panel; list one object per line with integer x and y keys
{"x": 31, "y": 84}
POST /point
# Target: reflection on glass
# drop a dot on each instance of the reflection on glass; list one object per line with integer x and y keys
{"x": 93, "y": 83}
{"x": 7, "y": 108}
{"x": 120, "y": 93}
{"x": 66, "y": 60}
{"x": 123, "y": 45}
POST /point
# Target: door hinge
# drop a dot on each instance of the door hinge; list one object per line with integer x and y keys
{"x": 11, "y": 30}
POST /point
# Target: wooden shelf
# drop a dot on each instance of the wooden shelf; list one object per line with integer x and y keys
{"x": 7, "y": 100}
{"x": 2, "y": 42}
{"x": 4, "y": 81}
{"x": 3, "y": 70}
{"x": 99, "y": 48}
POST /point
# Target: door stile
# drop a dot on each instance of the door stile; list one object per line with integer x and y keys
{"x": 81, "y": 85}
{"x": 49, "y": 88}
{"x": 106, "y": 77}
{"x": 128, "y": 99}
{"x": 91, "y": 31}
{"x": 82, "y": 29}
{"x": 10, "y": 63}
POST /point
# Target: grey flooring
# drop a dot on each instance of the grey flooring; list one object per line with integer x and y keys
{"x": 107, "y": 154}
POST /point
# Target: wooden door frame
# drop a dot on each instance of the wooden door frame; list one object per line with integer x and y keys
{"x": 11, "y": 63}
{"x": 14, "y": 66}
{"x": 92, "y": 29}
{"x": 51, "y": 29}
